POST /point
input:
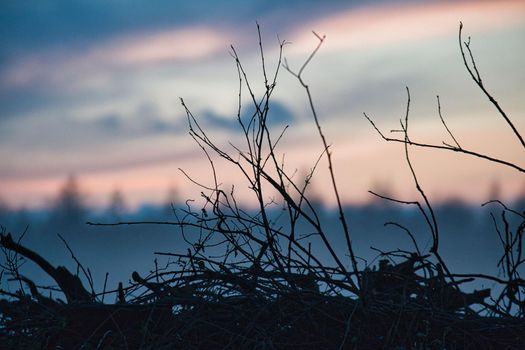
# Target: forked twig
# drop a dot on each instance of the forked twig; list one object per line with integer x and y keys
{"x": 342, "y": 217}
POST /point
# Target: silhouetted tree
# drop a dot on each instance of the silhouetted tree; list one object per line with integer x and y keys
{"x": 69, "y": 207}
{"x": 117, "y": 205}
{"x": 520, "y": 201}
{"x": 4, "y": 209}
{"x": 172, "y": 199}
{"x": 494, "y": 191}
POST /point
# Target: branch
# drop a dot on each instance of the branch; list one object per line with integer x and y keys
{"x": 70, "y": 285}
{"x": 474, "y": 74}
{"x": 342, "y": 217}
{"x": 444, "y": 147}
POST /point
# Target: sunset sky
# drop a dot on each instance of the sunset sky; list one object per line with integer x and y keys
{"x": 92, "y": 88}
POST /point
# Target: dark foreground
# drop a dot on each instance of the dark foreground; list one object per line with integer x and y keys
{"x": 210, "y": 305}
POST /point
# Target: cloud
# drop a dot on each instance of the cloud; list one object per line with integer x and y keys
{"x": 33, "y": 24}
{"x": 63, "y": 66}
{"x": 110, "y": 122}
{"x": 112, "y": 140}
{"x": 146, "y": 120}
{"x": 43, "y": 40}
{"x": 378, "y": 26}
{"x": 132, "y": 60}
{"x": 70, "y": 45}
{"x": 180, "y": 44}
{"x": 278, "y": 116}
{"x": 55, "y": 146}
{"x": 56, "y": 133}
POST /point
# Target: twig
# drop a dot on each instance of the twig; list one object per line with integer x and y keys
{"x": 342, "y": 217}
{"x": 474, "y": 74}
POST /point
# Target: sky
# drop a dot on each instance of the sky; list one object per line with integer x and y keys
{"x": 93, "y": 88}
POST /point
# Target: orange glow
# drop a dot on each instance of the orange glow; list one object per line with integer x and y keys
{"x": 361, "y": 164}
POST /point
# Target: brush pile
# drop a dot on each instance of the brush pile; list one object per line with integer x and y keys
{"x": 208, "y": 305}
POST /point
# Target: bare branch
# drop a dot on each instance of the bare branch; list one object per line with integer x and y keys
{"x": 474, "y": 74}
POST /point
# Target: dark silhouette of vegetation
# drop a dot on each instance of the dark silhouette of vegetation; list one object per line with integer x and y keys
{"x": 117, "y": 205}
{"x": 260, "y": 280}
{"x": 69, "y": 207}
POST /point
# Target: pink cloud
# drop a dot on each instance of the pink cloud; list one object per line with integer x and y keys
{"x": 376, "y": 26}
{"x": 185, "y": 44}
{"x": 177, "y": 45}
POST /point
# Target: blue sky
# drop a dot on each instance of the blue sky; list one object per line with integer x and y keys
{"x": 92, "y": 88}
